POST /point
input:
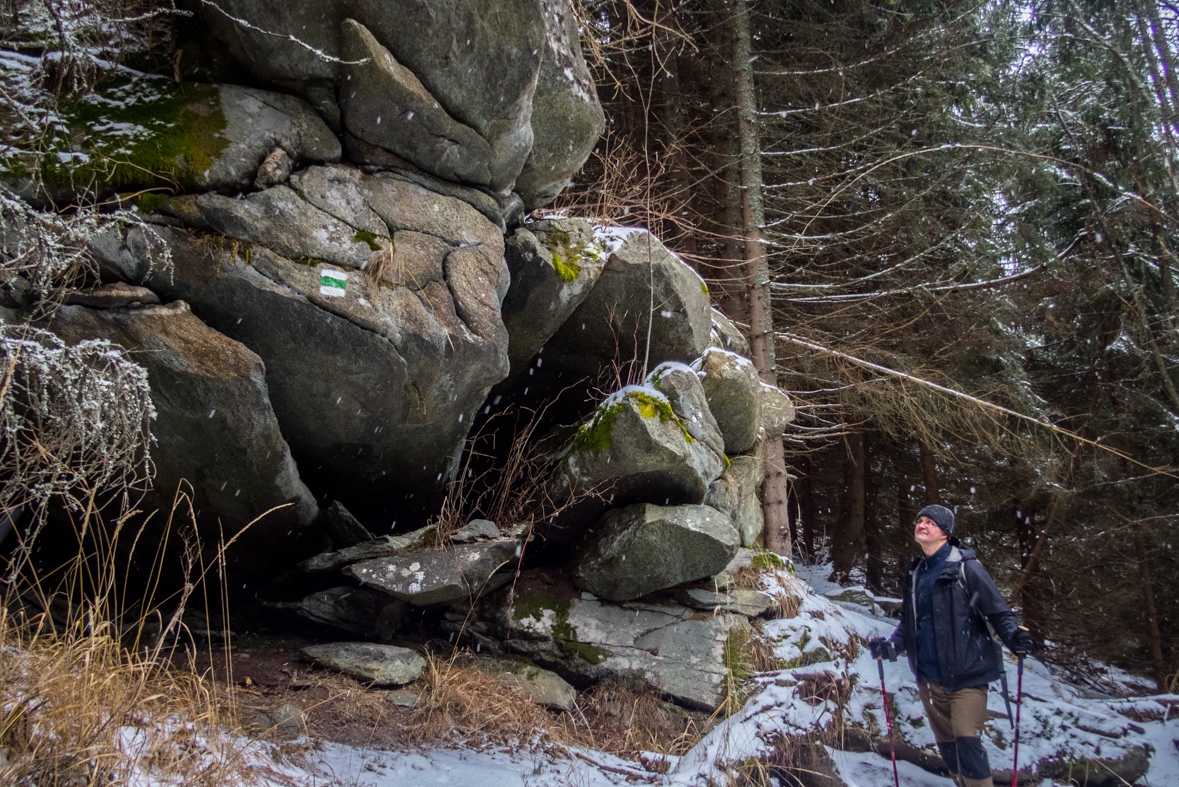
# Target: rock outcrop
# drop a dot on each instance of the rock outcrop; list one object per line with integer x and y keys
{"x": 381, "y": 334}
{"x": 642, "y": 548}
{"x": 643, "y": 288}
{"x": 684, "y": 657}
{"x": 482, "y": 92}
{"x": 215, "y": 430}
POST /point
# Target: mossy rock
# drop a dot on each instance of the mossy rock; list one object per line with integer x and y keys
{"x": 141, "y": 132}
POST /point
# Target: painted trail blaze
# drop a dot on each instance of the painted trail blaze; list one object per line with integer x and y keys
{"x": 333, "y": 283}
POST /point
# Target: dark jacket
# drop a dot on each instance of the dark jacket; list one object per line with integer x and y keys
{"x": 966, "y": 652}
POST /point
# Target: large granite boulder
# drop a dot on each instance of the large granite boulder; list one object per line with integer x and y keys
{"x": 378, "y": 318}
{"x": 634, "y": 449}
{"x": 214, "y": 427}
{"x": 733, "y": 391}
{"x": 454, "y": 87}
{"x": 566, "y": 116}
{"x": 635, "y": 550}
{"x": 736, "y": 494}
{"x": 686, "y": 396}
{"x": 441, "y": 575}
{"x": 643, "y": 286}
{"x": 143, "y": 131}
{"x": 554, "y": 264}
{"x": 418, "y": 129}
{"x": 686, "y": 656}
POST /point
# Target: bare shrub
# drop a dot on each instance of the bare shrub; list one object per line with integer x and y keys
{"x": 73, "y": 420}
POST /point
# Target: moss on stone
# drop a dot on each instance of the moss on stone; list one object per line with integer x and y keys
{"x": 367, "y": 237}
{"x": 184, "y": 124}
{"x": 150, "y": 202}
{"x": 534, "y": 603}
{"x": 596, "y": 435}
{"x": 564, "y": 254}
{"x": 703, "y": 287}
{"x": 765, "y": 561}
{"x": 591, "y": 654}
{"x": 649, "y": 407}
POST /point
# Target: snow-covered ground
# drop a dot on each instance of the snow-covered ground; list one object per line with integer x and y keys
{"x": 1056, "y": 719}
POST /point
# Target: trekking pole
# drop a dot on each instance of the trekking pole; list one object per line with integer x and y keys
{"x": 1018, "y": 706}
{"x": 891, "y": 746}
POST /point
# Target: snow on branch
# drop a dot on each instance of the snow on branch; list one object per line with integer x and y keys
{"x": 980, "y": 403}
{"x": 72, "y": 419}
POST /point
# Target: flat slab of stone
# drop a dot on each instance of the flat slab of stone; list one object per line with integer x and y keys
{"x": 476, "y": 530}
{"x": 369, "y": 613}
{"x": 750, "y": 603}
{"x": 675, "y": 650}
{"x": 442, "y": 575}
{"x": 385, "y": 546}
{"x": 382, "y": 665}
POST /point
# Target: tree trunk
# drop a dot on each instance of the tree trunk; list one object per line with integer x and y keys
{"x": 805, "y": 491}
{"x": 929, "y": 474}
{"x": 1157, "y": 664}
{"x": 873, "y": 541}
{"x": 847, "y": 542}
{"x": 1027, "y": 532}
{"x": 757, "y": 277}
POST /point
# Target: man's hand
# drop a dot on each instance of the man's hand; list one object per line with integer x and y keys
{"x": 1022, "y": 642}
{"x": 881, "y": 649}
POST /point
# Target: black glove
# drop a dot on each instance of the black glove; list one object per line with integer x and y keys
{"x": 881, "y": 648}
{"x": 1022, "y": 642}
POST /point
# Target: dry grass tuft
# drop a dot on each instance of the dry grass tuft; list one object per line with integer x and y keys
{"x": 77, "y": 709}
{"x": 623, "y": 719}
{"x": 761, "y": 653}
{"x": 786, "y": 588}
{"x": 461, "y": 700}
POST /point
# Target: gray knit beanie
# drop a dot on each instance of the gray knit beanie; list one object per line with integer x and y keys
{"x": 942, "y": 516}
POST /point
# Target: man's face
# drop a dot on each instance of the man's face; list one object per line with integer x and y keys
{"x": 927, "y": 533}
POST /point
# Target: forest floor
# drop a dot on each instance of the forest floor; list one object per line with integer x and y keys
{"x": 342, "y": 733}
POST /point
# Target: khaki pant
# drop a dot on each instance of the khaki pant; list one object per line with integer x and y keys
{"x": 957, "y": 719}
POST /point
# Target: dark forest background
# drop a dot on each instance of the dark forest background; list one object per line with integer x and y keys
{"x": 955, "y": 224}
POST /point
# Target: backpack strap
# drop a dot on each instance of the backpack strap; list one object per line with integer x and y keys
{"x": 974, "y": 603}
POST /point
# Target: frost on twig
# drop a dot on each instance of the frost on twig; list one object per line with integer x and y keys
{"x": 72, "y": 419}
{"x": 43, "y": 254}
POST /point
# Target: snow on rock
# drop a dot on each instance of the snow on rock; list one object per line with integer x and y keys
{"x": 824, "y": 652}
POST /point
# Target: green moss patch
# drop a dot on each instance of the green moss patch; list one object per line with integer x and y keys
{"x": 369, "y": 238}
{"x": 588, "y": 653}
{"x": 565, "y": 254}
{"x": 135, "y": 132}
{"x": 149, "y": 202}
{"x": 766, "y": 561}
{"x": 596, "y": 435}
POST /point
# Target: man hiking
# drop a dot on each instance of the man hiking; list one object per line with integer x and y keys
{"x": 949, "y": 601}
